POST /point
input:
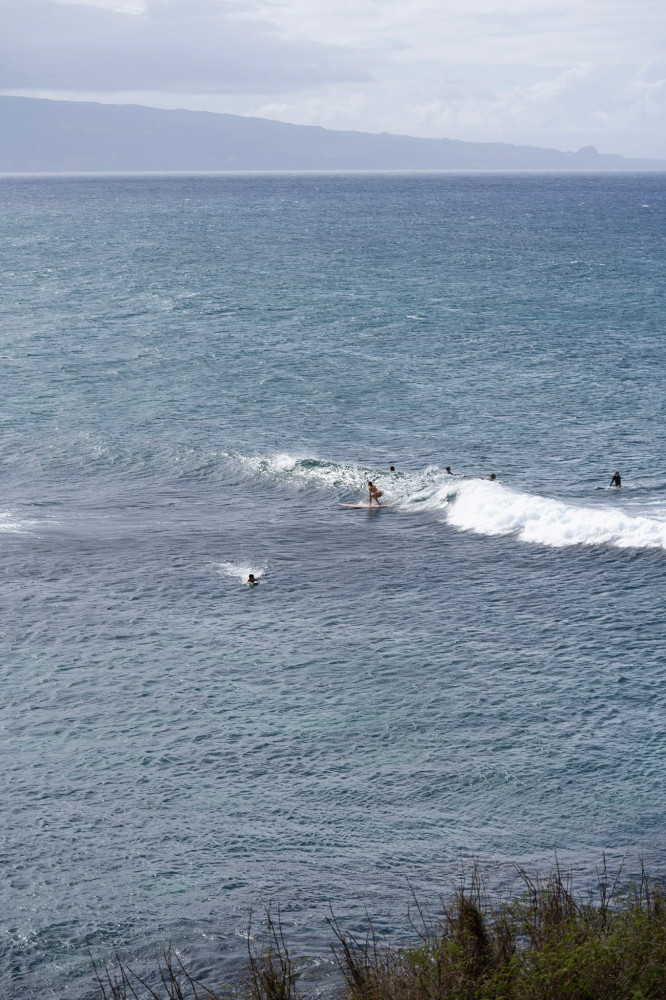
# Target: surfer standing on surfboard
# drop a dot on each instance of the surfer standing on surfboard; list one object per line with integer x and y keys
{"x": 373, "y": 494}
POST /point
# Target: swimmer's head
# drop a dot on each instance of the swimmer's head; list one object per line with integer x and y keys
{"x": 448, "y": 469}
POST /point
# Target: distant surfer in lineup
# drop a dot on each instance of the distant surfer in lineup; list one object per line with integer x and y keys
{"x": 373, "y": 494}
{"x": 616, "y": 480}
{"x": 252, "y": 581}
{"x": 491, "y": 478}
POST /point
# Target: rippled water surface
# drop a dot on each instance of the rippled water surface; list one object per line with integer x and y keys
{"x": 198, "y": 371}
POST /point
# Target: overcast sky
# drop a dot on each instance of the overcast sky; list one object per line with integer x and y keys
{"x": 560, "y": 73}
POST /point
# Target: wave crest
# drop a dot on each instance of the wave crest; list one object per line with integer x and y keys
{"x": 480, "y": 506}
{"x": 494, "y": 509}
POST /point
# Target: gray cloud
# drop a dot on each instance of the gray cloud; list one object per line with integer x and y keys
{"x": 194, "y": 47}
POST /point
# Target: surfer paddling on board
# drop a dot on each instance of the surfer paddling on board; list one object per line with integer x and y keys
{"x": 373, "y": 494}
{"x": 252, "y": 581}
{"x": 491, "y": 478}
{"x": 616, "y": 480}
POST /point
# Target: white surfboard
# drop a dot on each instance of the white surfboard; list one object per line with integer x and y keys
{"x": 368, "y": 506}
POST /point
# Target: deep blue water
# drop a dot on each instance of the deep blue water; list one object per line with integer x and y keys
{"x": 197, "y": 371}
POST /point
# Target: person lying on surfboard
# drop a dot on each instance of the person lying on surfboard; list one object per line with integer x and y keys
{"x": 252, "y": 580}
{"x": 373, "y": 494}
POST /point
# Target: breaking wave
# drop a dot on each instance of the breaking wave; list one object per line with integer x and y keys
{"x": 495, "y": 509}
{"x": 477, "y": 505}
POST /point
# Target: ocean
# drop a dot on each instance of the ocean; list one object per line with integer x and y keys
{"x": 198, "y": 372}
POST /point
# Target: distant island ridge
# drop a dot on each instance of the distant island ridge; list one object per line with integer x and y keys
{"x": 45, "y": 136}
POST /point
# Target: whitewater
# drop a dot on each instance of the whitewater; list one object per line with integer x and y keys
{"x": 199, "y": 371}
{"x": 475, "y": 504}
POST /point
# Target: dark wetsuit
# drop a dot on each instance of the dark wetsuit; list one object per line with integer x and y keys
{"x": 616, "y": 481}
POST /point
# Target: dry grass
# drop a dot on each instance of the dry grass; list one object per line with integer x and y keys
{"x": 271, "y": 974}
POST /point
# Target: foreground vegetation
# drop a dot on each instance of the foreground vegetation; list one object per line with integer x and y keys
{"x": 546, "y": 943}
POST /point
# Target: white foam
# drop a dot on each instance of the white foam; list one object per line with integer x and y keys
{"x": 494, "y": 509}
{"x": 267, "y": 464}
{"x": 303, "y": 472}
{"x": 285, "y": 462}
{"x": 238, "y": 571}
{"x": 11, "y": 525}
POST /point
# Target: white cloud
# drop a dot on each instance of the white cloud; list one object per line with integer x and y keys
{"x": 561, "y": 74}
{"x": 490, "y": 30}
{"x": 120, "y": 6}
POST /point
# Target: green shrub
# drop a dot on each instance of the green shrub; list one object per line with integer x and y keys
{"x": 548, "y": 943}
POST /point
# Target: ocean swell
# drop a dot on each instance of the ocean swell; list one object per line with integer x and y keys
{"x": 477, "y": 505}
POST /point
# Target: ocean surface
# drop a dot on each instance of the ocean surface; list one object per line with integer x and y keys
{"x": 197, "y": 372}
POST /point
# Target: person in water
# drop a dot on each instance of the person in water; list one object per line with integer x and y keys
{"x": 373, "y": 494}
{"x": 491, "y": 478}
{"x": 252, "y": 580}
{"x": 392, "y": 469}
{"x": 616, "y": 480}
{"x": 448, "y": 470}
